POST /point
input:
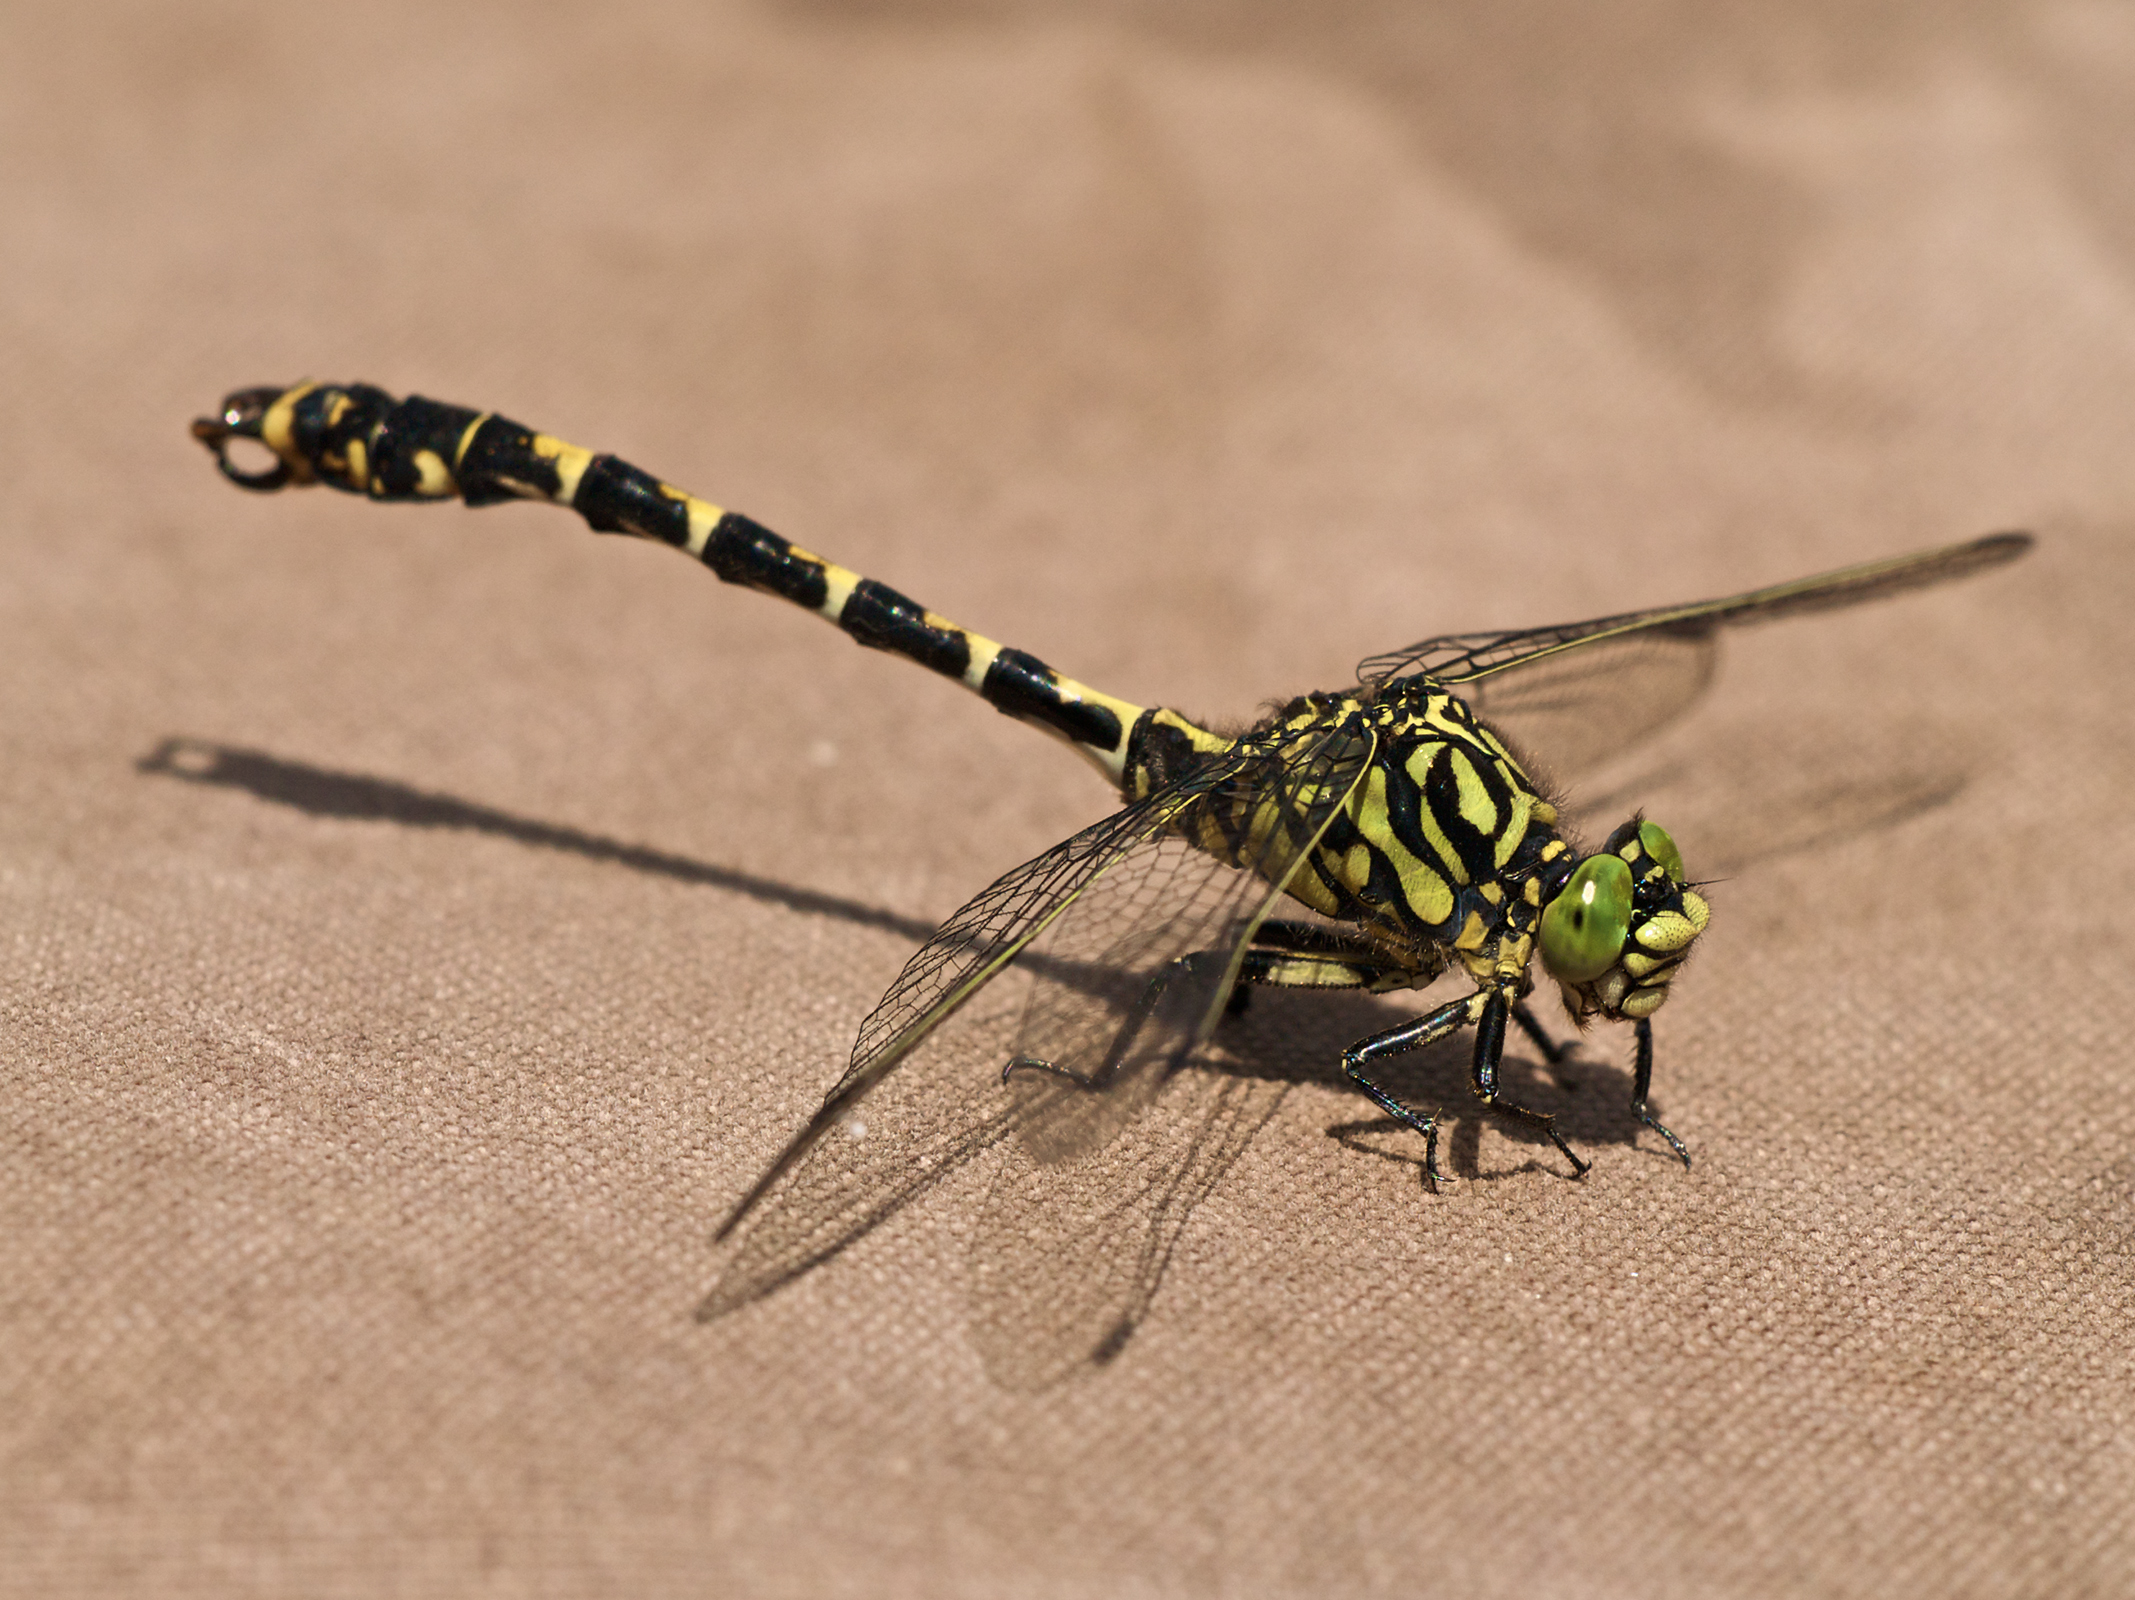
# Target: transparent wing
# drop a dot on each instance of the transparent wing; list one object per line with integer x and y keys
{"x": 969, "y": 950}
{"x": 1567, "y": 713}
{"x": 1126, "y": 940}
{"x": 1066, "y": 1261}
{"x": 1577, "y": 691}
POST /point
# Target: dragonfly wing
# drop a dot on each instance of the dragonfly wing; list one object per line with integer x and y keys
{"x": 1576, "y": 692}
{"x": 1127, "y": 938}
{"x": 830, "y": 1203}
{"x": 1066, "y": 1261}
{"x": 1125, "y": 989}
{"x": 1566, "y": 714}
{"x": 1129, "y": 1123}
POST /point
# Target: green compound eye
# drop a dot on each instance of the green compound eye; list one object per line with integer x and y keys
{"x": 1583, "y": 928}
{"x": 1654, "y": 840}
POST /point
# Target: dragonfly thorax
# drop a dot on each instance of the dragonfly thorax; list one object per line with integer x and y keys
{"x": 1442, "y": 849}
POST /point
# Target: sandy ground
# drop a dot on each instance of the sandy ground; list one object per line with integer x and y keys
{"x": 417, "y": 926}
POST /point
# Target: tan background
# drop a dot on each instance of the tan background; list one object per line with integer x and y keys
{"x": 376, "y": 1058}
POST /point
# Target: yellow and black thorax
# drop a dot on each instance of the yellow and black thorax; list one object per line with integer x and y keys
{"x": 1441, "y": 845}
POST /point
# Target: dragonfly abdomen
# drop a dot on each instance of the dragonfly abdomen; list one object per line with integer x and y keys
{"x": 361, "y": 439}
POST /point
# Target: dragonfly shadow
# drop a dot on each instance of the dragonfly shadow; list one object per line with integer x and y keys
{"x": 1066, "y": 1258}
{"x": 1586, "y": 1092}
{"x": 325, "y": 792}
{"x": 1065, "y": 1267}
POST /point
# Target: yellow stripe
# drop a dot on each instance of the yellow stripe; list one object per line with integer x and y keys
{"x": 274, "y": 431}
{"x": 838, "y": 586}
{"x": 984, "y": 652}
{"x": 1494, "y": 742}
{"x": 570, "y": 461}
{"x": 703, "y": 518}
{"x": 1419, "y": 768}
{"x": 1477, "y": 809}
{"x": 1426, "y": 891}
{"x": 1523, "y": 808}
{"x": 436, "y": 478}
{"x": 1420, "y": 762}
{"x": 459, "y": 452}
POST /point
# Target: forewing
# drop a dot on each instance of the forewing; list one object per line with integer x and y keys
{"x": 1127, "y": 987}
{"x": 1128, "y": 1124}
{"x": 1567, "y": 713}
{"x": 972, "y": 948}
{"x": 1097, "y": 929}
{"x": 1573, "y": 693}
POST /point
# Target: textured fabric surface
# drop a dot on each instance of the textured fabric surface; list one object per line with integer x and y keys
{"x": 417, "y": 926}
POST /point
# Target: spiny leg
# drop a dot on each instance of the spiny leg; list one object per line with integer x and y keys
{"x": 1283, "y": 955}
{"x": 1312, "y": 938}
{"x": 1489, "y": 1048}
{"x": 1552, "y": 1052}
{"x": 1286, "y": 954}
{"x": 1412, "y": 1035}
{"x": 1129, "y": 1030}
{"x": 1642, "y": 1080}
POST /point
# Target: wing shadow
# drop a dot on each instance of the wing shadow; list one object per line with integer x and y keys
{"x": 1067, "y": 1258}
{"x": 1064, "y": 1268}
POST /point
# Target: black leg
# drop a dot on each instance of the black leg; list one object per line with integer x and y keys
{"x": 1280, "y": 933}
{"x": 1412, "y": 1035}
{"x": 1552, "y": 1052}
{"x": 1128, "y": 1032}
{"x": 1642, "y": 1080}
{"x": 1489, "y": 1047}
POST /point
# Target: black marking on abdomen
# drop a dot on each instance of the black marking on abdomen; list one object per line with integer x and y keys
{"x": 500, "y": 464}
{"x": 325, "y": 423}
{"x": 742, "y": 551}
{"x": 412, "y": 426}
{"x": 615, "y": 497}
{"x": 1158, "y": 753}
{"x": 358, "y": 438}
{"x": 882, "y": 619}
{"x": 1020, "y": 685}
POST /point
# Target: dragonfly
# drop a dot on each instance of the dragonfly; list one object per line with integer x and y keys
{"x": 1366, "y": 840}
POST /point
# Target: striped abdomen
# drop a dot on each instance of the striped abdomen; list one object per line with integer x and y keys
{"x": 361, "y": 439}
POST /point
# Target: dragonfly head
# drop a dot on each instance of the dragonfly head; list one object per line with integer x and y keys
{"x": 1619, "y": 925}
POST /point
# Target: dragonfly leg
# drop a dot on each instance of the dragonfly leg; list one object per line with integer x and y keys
{"x": 1129, "y": 1030}
{"x": 1489, "y": 1048}
{"x": 1304, "y": 955}
{"x": 1641, "y": 1081}
{"x": 1552, "y": 1052}
{"x": 1282, "y": 933}
{"x": 1411, "y": 1035}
